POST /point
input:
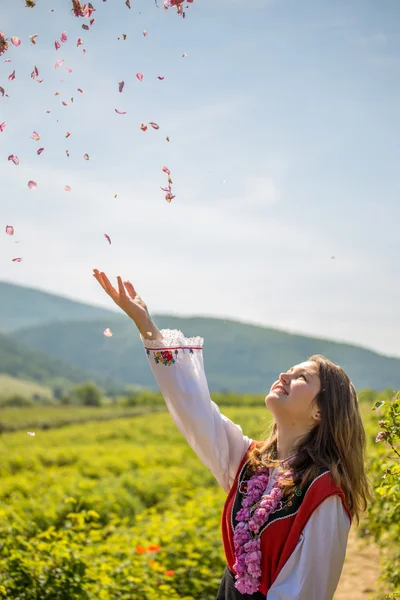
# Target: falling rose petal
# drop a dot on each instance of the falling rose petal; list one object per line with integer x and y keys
{"x": 128, "y": 4}
{"x": 63, "y": 37}
{"x": 57, "y": 94}
{"x": 30, "y": 3}
{"x": 2, "y": 91}
{"x": 12, "y": 76}
{"x": 107, "y": 238}
{"x": 67, "y": 153}
{"x": 154, "y": 125}
{"x": 14, "y": 159}
{"x": 84, "y": 51}
{"x": 107, "y": 332}
{"x": 39, "y": 80}
{"x": 31, "y": 433}
{"x": 36, "y": 136}
{"x": 169, "y": 197}
{"x": 167, "y": 138}
{"x": 121, "y": 85}
{"x": 39, "y": 151}
{"x": 33, "y": 75}
{"x": 33, "y": 38}
{"x": 139, "y": 76}
{"x": 145, "y": 33}
{"x": 59, "y": 63}
{"x": 57, "y": 45}
{"x": 48, "y": 111}
{"x": 17, "y": 259}
{"x": 64, "y": 103}
{"x": 15, "y": 40}
{"x": 86, "y": 156}
{"x": 120, "y": 112}
{"x": 143, "y": 127}
{"x": 166, "y": 170}
{"x": 85, "y": 27}
{"x": 32, "y": 185}
{"x": 36, "y": 71}
{"x": 115, "y": 195}
{"x": 160, "y": 78}
{"x": 184, "y": 54}
{"x": 79, "y": 42}
{"x": 9, "y": 230}
{"x": 79, "y": 90}
{"x": 3, "y": 126}
{"x": 67, "y": 188}
{"x": 68, "y": 70}
{"x": 92, "y": 21}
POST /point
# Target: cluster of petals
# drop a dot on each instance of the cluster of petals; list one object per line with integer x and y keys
{"x": 82, "y": 10}
{"x": 247, "y": 548}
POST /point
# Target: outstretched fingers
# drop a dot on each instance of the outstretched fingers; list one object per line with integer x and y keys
{"x": 130, "y": 289}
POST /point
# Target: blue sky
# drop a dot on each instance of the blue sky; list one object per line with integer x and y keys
{"x": 285, "y": 150}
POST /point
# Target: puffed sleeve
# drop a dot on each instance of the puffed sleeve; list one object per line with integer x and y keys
{"x": 177, "y": 364}
{"x": 313, "y": 570}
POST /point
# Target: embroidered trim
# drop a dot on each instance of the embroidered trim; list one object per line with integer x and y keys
{"x": 173, "y": 338}
{"x": 295, "y": 513}
{"x": 279, "y": 518}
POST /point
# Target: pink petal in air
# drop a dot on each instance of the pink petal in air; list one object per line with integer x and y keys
{"x": 68, "y": 70}
{"x": 9, "y": 230}
{"x": 32, "y": 185}
{"x": 121, "y": 85}
{"x": 63, "y": 37}
{"x": 107, "y": 332}
{"x": 139, "y": 76}
{"x": 36, "y": 136}
{"x": 36, "y": 71}
{"x": 107, "y": 238}
{"x": 19, "y": 259}
{"x": 33, "y": 38}
{"x": 160, "y": 78}
{"x": 143, "y": 127}
{"x": 12, "y": 76}
{"x": 79, "y": 42}
{"x": 57, "y": 45}
{"x": 154, "y": 125}
{"x": 79, "y": 90}
{"x": 16, "y": 41}
{"x": 3, "y": 126}
{"x": 120, "y": 112}
{"x": 59, "y": 63}
{"x": 14, "y": 159}
{"x": 145, "y": 33}
{"x": 166, "y": 170}
{"x": 2, "y": 91}
{"x": 67, "y": 134}
{"x": 64, "y": 103}
{"x": 67, "y": 188}
{"x": 39, "y": 151}
{"x": 86, "y": 156}
{"x": 39, "y": 80}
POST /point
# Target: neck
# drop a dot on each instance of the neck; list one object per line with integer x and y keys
{"x": 285, "y": 443}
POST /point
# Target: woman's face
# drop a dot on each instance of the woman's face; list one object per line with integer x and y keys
{"x": 292, "y": 403}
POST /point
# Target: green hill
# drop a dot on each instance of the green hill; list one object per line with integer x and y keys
{"x": 237, "y": 356}
{"x": 26, "y": 307}
{"x": 17, "y": 360}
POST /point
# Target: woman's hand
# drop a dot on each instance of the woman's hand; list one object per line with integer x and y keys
{"x": 131, "y": 303}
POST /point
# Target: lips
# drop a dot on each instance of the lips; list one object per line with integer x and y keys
{"x": 279, "y": 386}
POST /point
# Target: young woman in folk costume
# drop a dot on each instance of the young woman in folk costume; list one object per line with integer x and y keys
{"x": 291, "y": 497}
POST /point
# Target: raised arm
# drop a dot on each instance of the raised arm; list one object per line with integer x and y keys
{"x": 177, "y": 364}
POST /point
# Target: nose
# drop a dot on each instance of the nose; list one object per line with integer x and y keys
{"x": 284, "y": 378}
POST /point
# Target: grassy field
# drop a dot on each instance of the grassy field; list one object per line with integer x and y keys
{"x": 120, "y": 509}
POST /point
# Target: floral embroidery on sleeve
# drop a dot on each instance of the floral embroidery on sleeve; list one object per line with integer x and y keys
{"x": 165, "y": 357}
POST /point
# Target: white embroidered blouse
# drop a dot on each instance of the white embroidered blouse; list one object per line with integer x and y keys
{"x": 313, "y": 570}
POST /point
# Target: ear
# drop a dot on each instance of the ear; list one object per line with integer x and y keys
{"x": 317, "y": 416}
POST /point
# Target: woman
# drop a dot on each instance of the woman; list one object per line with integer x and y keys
{"x": 292, "y": 497}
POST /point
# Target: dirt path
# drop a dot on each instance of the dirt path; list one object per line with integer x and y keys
{"x": 360, "y": 571}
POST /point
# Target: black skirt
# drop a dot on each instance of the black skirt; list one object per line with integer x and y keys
{"x": 227, "y": 590}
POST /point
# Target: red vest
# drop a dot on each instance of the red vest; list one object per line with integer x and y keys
{"x": 281, "y": 533}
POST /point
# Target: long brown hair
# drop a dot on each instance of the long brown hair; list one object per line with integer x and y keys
{"x": 336, "y": 442}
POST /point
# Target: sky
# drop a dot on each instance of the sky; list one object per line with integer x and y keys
{"x": 284, "y": 152}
